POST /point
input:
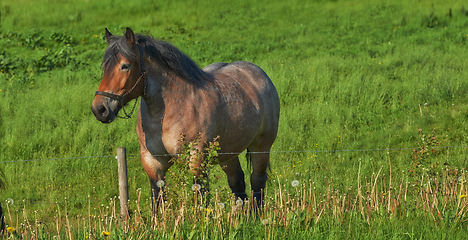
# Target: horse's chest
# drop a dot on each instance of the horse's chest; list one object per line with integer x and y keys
{"x": 153, "y": 136}
{"x": 162, "y": 137}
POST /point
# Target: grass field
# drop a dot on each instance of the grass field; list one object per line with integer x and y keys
{"x": 374, "y": 118}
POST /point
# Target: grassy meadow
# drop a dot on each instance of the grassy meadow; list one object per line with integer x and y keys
{"x": 373, "y": 127}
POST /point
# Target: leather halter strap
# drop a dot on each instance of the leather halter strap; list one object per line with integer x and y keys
{"x": 120, "y": 98}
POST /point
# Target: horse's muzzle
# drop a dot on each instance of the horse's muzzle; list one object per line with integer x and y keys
{"x": 105, "y": 111}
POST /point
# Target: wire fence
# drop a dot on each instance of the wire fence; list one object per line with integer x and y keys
{"x": 238, "y": 153}
{"x": 90, "y": 199}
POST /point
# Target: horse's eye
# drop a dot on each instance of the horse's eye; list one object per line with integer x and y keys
{"x": 125, "y": 67}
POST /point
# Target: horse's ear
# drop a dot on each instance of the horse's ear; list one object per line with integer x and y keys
{"x": 108, "y": 36}
{"x": 130, "y": 36}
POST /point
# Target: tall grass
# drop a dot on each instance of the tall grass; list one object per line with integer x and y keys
{"x": 374, "y": 206}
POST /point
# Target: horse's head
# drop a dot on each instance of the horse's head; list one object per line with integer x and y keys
{"x": 124, "y": 76}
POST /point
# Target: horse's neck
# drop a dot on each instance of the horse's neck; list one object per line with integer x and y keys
{"x": 167, "y": 92}
{"x": 153, "y": 95}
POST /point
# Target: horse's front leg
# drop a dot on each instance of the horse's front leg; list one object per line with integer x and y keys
{"x": 156, "y": 169}
{"x": 199, "y": 170}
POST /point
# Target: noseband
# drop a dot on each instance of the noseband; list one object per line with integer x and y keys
{"x": 121, "y": 98}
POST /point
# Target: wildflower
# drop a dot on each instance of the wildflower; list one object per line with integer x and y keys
{"x": 463, "y": 196}
{"x": 265, "y": 222}
{"x": 221, "y": 205}
{"x": 160, "y": 183}
{"x": 10, "y": 229}
{"x": 295, "y": 183}
{"x": 105, "y": 233}
{"x": 239, "y": 202}
{"x": 196, "y": 187}
{"x": 208, "y": 210}
{"x": 10, "y": 201}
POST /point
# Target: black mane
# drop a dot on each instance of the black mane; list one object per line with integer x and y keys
{"x": 159, "y": 51}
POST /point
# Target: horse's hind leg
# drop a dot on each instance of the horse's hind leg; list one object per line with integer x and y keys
{"x": 259, "y": 160}
{"x": 235, "y": 177}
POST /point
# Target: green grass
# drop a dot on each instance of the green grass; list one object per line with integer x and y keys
{"x": 351, "y": 75}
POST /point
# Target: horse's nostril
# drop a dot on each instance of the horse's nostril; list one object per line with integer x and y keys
{"x": 102, "y": 110}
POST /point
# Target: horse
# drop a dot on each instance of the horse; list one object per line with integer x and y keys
{"x": 235, "y": 103}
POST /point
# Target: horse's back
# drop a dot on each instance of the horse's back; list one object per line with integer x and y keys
{"x": 250, "y": 77}
{"x": 255, "y": 91}
{"x": 214, "y": 67}
{"x": 246, "y": 74}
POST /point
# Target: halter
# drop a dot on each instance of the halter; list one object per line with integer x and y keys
{"x": 121, "y": 98}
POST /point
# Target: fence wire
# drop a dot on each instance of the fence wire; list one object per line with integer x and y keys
{"x": 238, "y": 153}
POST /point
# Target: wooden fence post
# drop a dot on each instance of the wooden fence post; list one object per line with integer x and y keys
{"x": 2, "y": 222}
{"x": 123, "y": 181}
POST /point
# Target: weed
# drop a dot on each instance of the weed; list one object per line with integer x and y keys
{"x": 423, "y": 155}
{"x": 190, "y": 160}
{"x": 57, "y": 49}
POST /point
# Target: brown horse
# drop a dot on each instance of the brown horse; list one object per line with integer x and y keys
{"x": 235, "y": 101}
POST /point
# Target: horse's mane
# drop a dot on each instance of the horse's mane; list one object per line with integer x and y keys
{"x": 159, "y": 51}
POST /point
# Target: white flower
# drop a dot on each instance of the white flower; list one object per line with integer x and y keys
{"x": 265, "y": 222}
{"x": 221, "y": 205}
{"x": 10, "y": 201}
{"x": 295, "y": 183}
{"x": 196, "y": 187}
{"x": 239, "y": 202}
{"x": 160, "y": 183}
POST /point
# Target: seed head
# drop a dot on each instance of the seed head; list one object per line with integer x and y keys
{"x": 196, "y": 187}
{"x": 160, "y": 183}
{"x": 295, "y": 183}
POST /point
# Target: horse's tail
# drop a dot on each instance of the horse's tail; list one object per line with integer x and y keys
{"x": 248, "y": 156}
